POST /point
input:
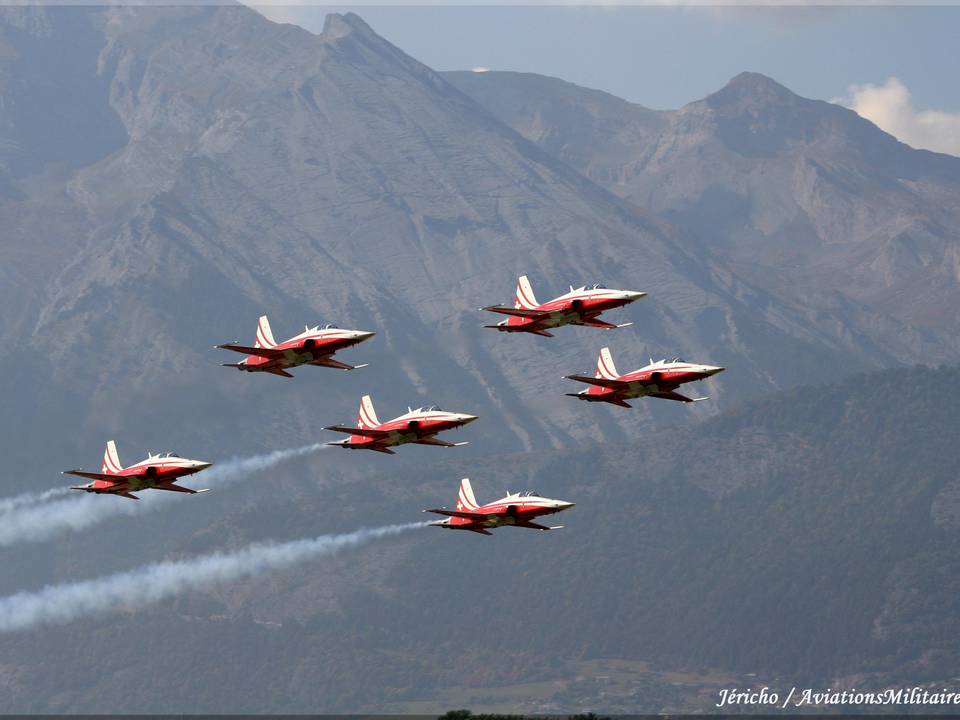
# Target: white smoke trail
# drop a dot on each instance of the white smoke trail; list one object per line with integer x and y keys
{"x": 239, "y": 468}
{"x": 39, "y": 522}
{"x": 58, "y": 604}
{"x": 30, "y": 498}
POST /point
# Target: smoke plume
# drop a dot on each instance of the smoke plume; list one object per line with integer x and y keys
{"x": 58, "y": 604}
{"x": 30, "y": 498}
{"x": 47, "y": 514}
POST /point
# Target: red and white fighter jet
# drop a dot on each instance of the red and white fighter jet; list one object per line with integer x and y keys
{"x": 580, "y": 306}
{"x": 314, "y": 346}
{"x": 158, "y": 472}
{"x": 658, "y": 379}
{"x": 418, "y": 426}
{"x": 516, "y": 509}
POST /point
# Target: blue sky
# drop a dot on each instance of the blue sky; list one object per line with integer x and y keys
{"x": 665, "y": 56}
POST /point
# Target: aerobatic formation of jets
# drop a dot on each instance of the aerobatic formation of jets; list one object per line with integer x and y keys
{"x": 317, "y": 346}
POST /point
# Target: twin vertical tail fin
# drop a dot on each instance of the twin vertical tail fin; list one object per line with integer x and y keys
{"x": 264, "y": 334}
{"x": 525, "y": 298}
{"x": 111, "y": 461}
{"x": 368, "y": 416}
{"x": 465, "y": 500}
{"x": 605, "y": 367}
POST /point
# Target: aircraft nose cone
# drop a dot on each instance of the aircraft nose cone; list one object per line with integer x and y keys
{"x": 363, "y": 335}
{"x": 563, "y": 505}
{"x": 464, "y": 418}
{"x": 710, "y": 370}
{"x": 632, "y": 295}
{"x": 200, "y": 465}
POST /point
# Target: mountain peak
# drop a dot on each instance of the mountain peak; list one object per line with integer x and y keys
{"x": 338, "y": 25}
{"x": 751, "y": 88}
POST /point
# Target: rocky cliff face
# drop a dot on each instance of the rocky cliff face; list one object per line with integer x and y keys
{"x": 805, "y": 199}
{"x": 167, "y": 175}
{"x": 240, "y": 167}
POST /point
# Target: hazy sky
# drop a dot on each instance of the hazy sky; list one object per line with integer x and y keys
{"x": 663, "y": 57}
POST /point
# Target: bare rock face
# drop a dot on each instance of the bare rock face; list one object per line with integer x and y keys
{"x": 808, "y": 201}
{"x": 243, "y": 167}
{"x": 215, "y": 166}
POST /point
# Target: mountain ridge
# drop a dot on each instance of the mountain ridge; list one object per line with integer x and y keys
{"x": 266, "y": 169}
{"x": 804, "y": 199}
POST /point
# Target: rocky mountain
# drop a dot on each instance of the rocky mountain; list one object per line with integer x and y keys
{"x": 805, "y": 199}
{"x": 169, "y": 174}
{"x": 808, "y": 538}
{"x": 216, "y": 166}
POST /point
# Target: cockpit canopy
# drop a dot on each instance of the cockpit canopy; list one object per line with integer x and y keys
{"x": 596, "y": 286}
{"x": 330, "y": 326}
{"x": 529, "y": 493}
{"x": 433, "y": 408}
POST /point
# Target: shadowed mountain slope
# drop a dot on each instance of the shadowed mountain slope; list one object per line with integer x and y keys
{"x": 808, "y": 537}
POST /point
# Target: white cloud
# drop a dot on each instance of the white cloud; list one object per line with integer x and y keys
{"x": 888, "y": 106}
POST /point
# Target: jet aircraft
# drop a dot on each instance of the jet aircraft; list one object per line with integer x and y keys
{"x": 418, "y": 426}
{"x": 580, "y": 306}
{"x": 158, "y": 472}
{"x": 314, "y": 346}
{"x": 658, "y": 379}
{"x": 517, "y": 509}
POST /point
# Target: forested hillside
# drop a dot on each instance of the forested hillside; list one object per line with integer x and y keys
{"x": 810, "y": 536}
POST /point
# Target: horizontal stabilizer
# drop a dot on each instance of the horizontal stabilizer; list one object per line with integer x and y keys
{"x": 518, "y": 312}
{"x": 519, "y": 328}
{"x": 91, "y": 475}
{"x": 613, "y": 400}
{"x": 601, "y": 382}
{"x": 257, "y": 351}
{"x": 362, "y": 432}
{"x": 457, "y": 513}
